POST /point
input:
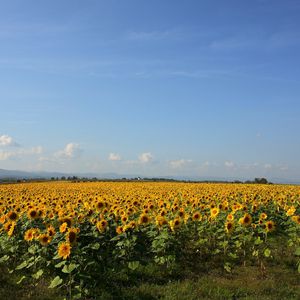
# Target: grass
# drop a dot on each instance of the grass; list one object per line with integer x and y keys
{"x": 151, "y": 282}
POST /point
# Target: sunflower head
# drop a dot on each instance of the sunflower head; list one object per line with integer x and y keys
{"x": 229, "y": 226}
{"x": 71, "y": 235}
{"x": 196, "y": 216}
{"x": 175, "y": 224}
{"x": 12, "y": 216}
{"x": 64, "y": 250}
{"x": 33, "y": 214}
{"x": 119, "y": 230}
{"x": 269, "y": 226}
{"x": 9, "y": 227}
{"x": 30, "y": 234}
{"x": 102, "y": 225}
{"x": 214, "y": 212}
{"x": 246, "y": 220}
{"x": 296, "y": 219}
{"x": 144, "y": 219}
{"x": 44, "y": 239}
{"x": 51, "y": 230}
{"x": 263, "y": 216}
{"x": 63, "y": 227}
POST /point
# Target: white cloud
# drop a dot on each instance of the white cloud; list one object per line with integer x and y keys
{"x": 114, "y": 157}
{"x": 179, "y": 163}
{"x": 6, "y": 155}
{"x": 37, "y": 150}
{"x": 71, "y": 150}
{"x": 209, "y": 164}
{"x": 145, "y": 157}
{"x": 6, "y": 140}
{"x": 268, "y": 166}
{"x": 229, "y": 164}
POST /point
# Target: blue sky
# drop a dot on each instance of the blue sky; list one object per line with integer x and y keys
{"x": 187, "y": 88}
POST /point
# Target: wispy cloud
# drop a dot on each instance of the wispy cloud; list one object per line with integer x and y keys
{"x": 180, "y": 163}
{"x": 5, "y": 155}
{"x": 229, "y": 164}
{"x": 145, "y": 157}
{"x": 114, "y": 157}
{"x": 6, "y": 140}
{"x": 71, "y": 150}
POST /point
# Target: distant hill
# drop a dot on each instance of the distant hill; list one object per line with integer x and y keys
{"x": 17, "y": 174}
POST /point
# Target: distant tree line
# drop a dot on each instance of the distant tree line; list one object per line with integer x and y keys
{"x": 153, "y": 179}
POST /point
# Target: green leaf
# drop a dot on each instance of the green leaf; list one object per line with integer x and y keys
{"x": 227, "y": 267}
{"x": 69, "y": 268}
{"x": 55, "y": 282}
{"x": 60, "y": 264}
{"x": 216, "y": 251}
{"x": 258, "y": 241}
{"x": 77, "y": 296}
{"x": 38, "y": 274}
{"x": 56, "y": 257}
{"x": 133, "y": 265}
{"x": 21, "y": 279}
{"x": 299, "y": 268}
{"x": 4, "y": 258}
{"x": 267, "y": 252}
{"x": 233, "y": 255}
{"x": 32, "y": 249}
{"x": 22, "y": 265}
{"x": 297, "y": 252}
{"x": 95, "y": 246}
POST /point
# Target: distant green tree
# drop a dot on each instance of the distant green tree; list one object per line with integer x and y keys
{"x": 261, "y": 180}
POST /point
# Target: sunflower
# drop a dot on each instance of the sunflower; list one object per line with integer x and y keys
{"x": 246, "y": 220}
{"x": 100, "y": 205}
{"x": 296, "y": 219}
{"x": 160, "y": 221}
{"x": 214, "y": 212}
{"x": 63, "y": 227}
{"x": 30, "y": 234}
{"x": 32, "y": 214}
{"x": 181, "y": 213}
{"x": 2, "y": 219}
{"x": 71, "y": 235}
{"x": 229, "y": 226}
{"x": 132, "y": 224}
{"x": 64, "y": 250}
{"x": 163, "y": 212}
{"x": 269, "y": 226}
{"x": 144, "y": 219}
{"x": 174, "y": 224}
{"x": 291, "y": 211}
{"x": 124, "y": 219}
{"x": 51, "y": 230}
{"x": 196, "y": 216}
{"x": 9, "y": 227}
{"x": 67, "y": 220}
{"x": 263, "y": 216}
{"x": 119, "y": 230}
{"x": 102, "y": 225}
{"x": 230, "y": 217}
{"x": 12, "y": 216}
{"x": 44, "y": 239}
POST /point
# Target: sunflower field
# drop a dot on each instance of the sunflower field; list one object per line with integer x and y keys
{"x": 78, "y": 233}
